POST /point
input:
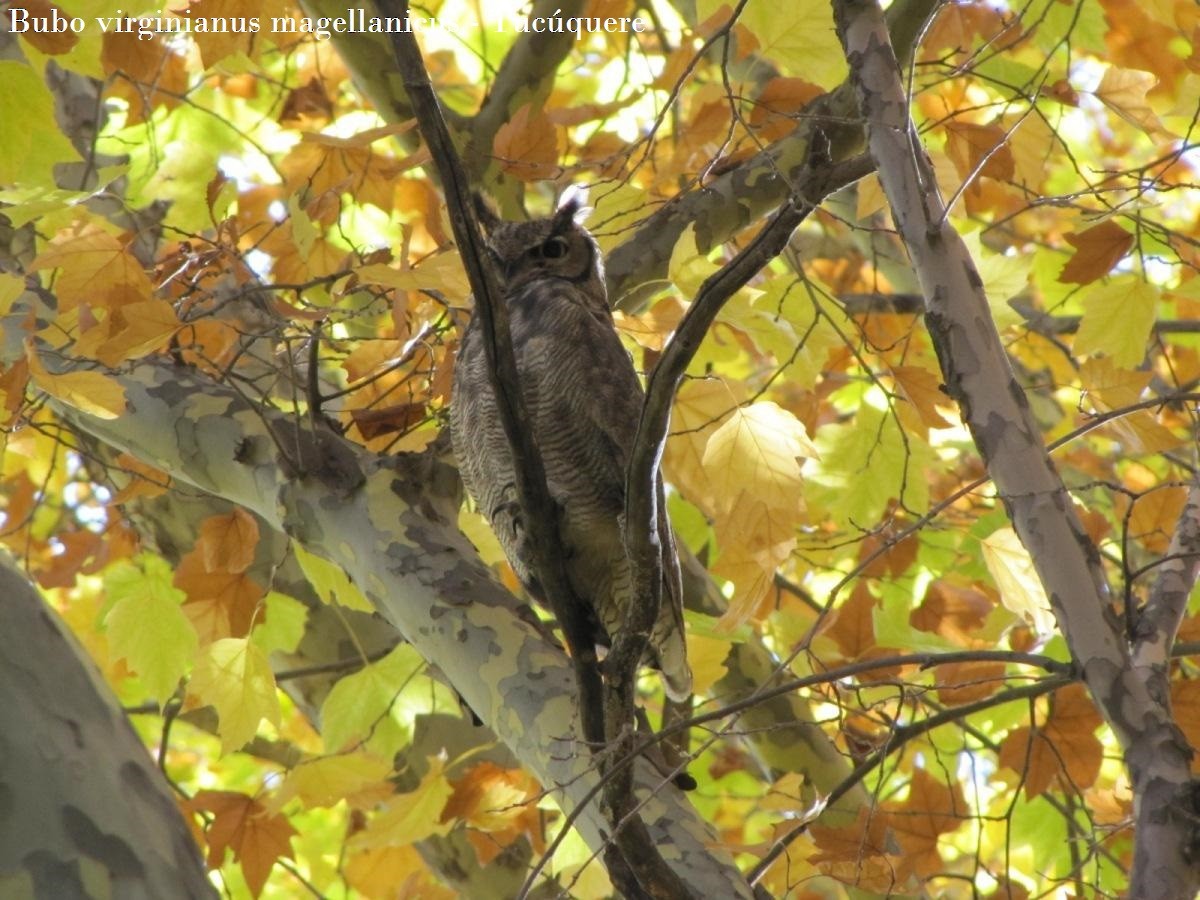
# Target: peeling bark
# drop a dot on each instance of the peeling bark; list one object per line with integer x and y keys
{"x": 409, "y": 558}
{"x": 978, "y": 375}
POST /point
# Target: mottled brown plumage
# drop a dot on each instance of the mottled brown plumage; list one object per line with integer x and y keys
{"x": 583, "y": 398}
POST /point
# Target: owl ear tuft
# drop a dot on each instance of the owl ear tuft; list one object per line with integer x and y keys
{"x": 485, "y": 213}
{"x": 572, "y": 207}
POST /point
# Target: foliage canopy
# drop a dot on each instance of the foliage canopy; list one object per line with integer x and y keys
{"x": 259, "y": 209}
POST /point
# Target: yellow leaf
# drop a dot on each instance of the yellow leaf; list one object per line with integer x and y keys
{"x": 410, "y": 817}
{"x": 700, "y": 407}
{"x": 144, "y": 326}
{"x": 1110, "y": 388}
{"x": 1124, "y": 92}
{"x": 90, "y": 392}
{"x": 93, "y": 264}
{"x": 754, "y": 539}
{"x": 381, "y": 872}
{"x": 1020, "y": 588}
{"x": 616, "y": 213}
{"x": 758, "y": 450}
{"x": 330, "y": 582}
{"x": 1117, "y": 320}
{"x": 443, "y": 273}
{"x": 234, "y": 677}
{"x": 11, "y": 287}
{"x": 528, "y": 145}
{"x": 706, "y": 656}
{"x": 800, "y": 37}
{"x": 871, "y": 198}
{"x": 329, "y": 779}
{"x": 651, "y": 329}
{"x": 689, "y": 267}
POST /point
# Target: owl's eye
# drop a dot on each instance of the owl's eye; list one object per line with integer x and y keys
{"x": 554, "y": 248}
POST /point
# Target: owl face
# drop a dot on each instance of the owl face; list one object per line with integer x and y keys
{"x": 557, "y": 247}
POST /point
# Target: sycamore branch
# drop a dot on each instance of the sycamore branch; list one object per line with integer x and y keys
{"x": 419, "y": 571}
{"x": 729, "y": 203}
{"x": 977, "y": 374}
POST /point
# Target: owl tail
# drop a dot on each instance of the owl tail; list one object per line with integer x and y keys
{"x": 673, "y": 666}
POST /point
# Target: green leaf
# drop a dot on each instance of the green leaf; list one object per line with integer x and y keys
{"x": 282, "y": 628}
{"x": 360, "y": 703}
{"x": 146, "y": 626}
{"x": 800, "y": 37}
{"x": 865, "y": 463}
{"x": 330, "y": 582}
{"x": 30, "y": 142}
{"x": 1117, "y": 319}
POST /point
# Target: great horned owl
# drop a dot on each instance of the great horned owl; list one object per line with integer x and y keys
{"x": 583, "y": 399}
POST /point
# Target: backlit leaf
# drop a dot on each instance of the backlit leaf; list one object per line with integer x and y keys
{"x": 1117, "y": 320}
{"x": 93, "y": 393}
{"x": 527, "y": 145}
{"x": 1020, "y": 588}
{"x": 240, "y": 823}
{"x": 146, "y": 626}
{"x": 234, "y": 677}
{"x": 359, "y": 701}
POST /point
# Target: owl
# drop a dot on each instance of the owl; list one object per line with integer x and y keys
{"x": 583, "y": 398}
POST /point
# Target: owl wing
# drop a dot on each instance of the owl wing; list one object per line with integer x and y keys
{"x": 590, "y": 400}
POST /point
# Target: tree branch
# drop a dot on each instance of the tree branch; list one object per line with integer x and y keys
{"x": 729, "y": 203}
{"x": 538, "y": 509}
{"x": 1158, "y": 622}
{"x": 977, "y": 374}
{"x": 418, "y": 570}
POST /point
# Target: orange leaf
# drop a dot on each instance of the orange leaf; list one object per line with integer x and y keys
{"x": 979, "y": 150}
{"x": 155, "y": 76}
{"x": 857, "y": 853}
{"x": 49, "y": 41}
{"x": 242, "y": 824}
{"x": 94, "y": 265}
{"x": 78, "y": 547}
{"x": 527, "y": 145}
{"x": 951, "y": 610}
{"x": 219, "y": 604}
{"x": 923, "y": 389}
{"x": 966, "y": 682}
{"x": 931, "y": 810}
{"x": 1155, "y": 517}
{"x": 1185, "y": 703}
{"x": 1097, "y": 250}
{"x": 227, "y": 543}
{"x": 853, "y": 623}
{"x": 1066, "y": 743}
{"x": 144, "y": 480}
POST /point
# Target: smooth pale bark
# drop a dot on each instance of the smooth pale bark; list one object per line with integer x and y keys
{"x": 977, "y": 374}
{"x": 83, "y": 810}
